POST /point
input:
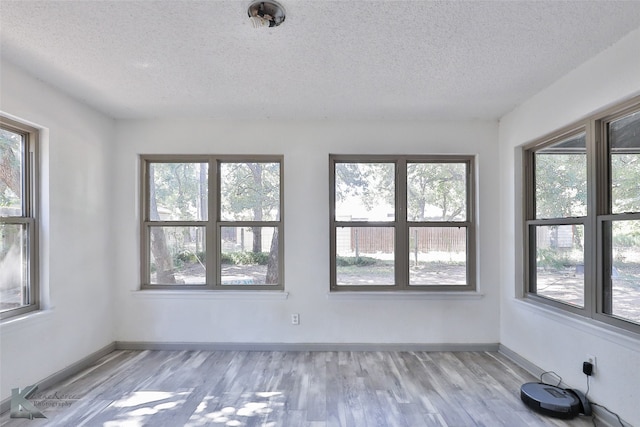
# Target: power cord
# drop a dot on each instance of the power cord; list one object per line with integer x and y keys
{"x": 586, "y": 395}
{"x": 609, "y": 411}
{"x": 551, "y": 373}
{"x": 593, "y": 416}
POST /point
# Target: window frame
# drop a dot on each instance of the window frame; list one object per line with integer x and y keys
{"x": 30, "y": 197}
{"x": 597, "y": 248}
{"x": 402, "y": 225}
{"x": 531, "y": 222}
{"x": 212, "y": 224}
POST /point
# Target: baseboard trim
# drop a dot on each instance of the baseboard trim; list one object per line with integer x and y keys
{"x": 65, "y": 373}
{"x": 533, "y": 369}
{"x": 603, "y": 416}
{"x": 206, "y": 346}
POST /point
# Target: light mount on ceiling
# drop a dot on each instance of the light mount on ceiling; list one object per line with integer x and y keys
{"x": 266, "y": 14}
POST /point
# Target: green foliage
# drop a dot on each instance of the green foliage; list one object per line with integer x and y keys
{"x": 561, "y": 181}
{"x": 625, "y": 182}
{"x": 362, "y": 261}
{"x": 436, "y": 185}
{"x": 245, "y": 258}
{"x": 180, "y": 189}
{"x": 226, "y": 258}
{"x": 349, "y": 180}
{"x": 188, "y": 257}
{"x": 250, "y": 191}
{"x": 553, "y": 259}
{"x": 372, "y": 182}
{"x": 628, "y": 240}
{"x": 10, "y": 168}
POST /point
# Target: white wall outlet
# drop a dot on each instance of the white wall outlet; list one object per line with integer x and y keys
{"x": 591, "y": 359}
{"x": 295, "y": 319}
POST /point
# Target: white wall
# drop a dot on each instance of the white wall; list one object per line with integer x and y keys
{"x": 550, "y": 340}
{"x": 91, "y": 249}
{"x": 254, "y": 318}
{"x": 75, "y": 235}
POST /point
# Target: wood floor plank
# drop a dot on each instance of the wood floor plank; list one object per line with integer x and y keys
{"x": 313, "y": 389}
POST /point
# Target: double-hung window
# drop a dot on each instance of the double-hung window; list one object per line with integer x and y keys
{"x": 211, "y": 222}
{"x": 19, "y": 291}
{"x": 402, "y": 223}
{"x": 582, "y": 218}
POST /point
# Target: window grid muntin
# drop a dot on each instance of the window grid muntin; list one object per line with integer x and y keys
{"x": 402, "y": 225}
{"x": 599, "y": 211}
{"x": 212, "y": 225}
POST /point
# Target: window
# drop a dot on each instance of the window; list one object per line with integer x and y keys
{"x": 582, "y": 232}
{"x": 212, "y": 222}
{"x": 19, "y": 291}
{"x": 557, "y": 229}
{"x": 402, "y": 223}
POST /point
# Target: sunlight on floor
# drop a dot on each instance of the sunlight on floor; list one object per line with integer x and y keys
{"x": 249, "y": 405}
{"x": 228, "y": 409}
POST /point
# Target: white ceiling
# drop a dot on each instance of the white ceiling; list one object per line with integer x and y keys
{"x": 329, "y": 59}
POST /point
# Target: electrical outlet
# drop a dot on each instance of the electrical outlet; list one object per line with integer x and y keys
{"x": 591, "y": 359}
{"x": 295, "y": 319}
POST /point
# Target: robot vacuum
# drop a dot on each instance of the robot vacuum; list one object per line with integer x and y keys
{"x": 554, "y": 401}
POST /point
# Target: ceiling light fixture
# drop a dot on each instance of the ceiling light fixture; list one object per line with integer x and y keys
{"x": 266, "y": 14}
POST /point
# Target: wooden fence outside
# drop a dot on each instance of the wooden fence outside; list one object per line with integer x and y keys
{"x": 429, "y": 239}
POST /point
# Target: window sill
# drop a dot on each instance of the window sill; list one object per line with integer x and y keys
{"x": 210, "y": 295}
{"x": 619, "y": 336}
{"x": 403, "y": 295}
{"x": 17, "y": 323}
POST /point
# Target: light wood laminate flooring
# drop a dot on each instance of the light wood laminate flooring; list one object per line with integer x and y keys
{"x": 290, "y": 388}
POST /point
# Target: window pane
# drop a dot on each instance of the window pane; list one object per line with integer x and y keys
{"x": 437, "y": 256}
{"x": 365, "y": 191}
{"x": 365, "y": 255}
{"x": 436, "y": 192}
{"x": 559, "y": 270}
{"x": 561, "y": 179}
{"x": 624, "y": 142}
{"x": 11, "y": 174}
{"x": 625, "y": 270}
{"x": 14, "y": 284}
{"x": 249, "y": 255}
{"x": 250, "y": 191}
{"x": 178, "y": 191}
{"x": 178, "y": 255}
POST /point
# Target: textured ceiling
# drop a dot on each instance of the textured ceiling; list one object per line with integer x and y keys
{"x": 329, "y": 59}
